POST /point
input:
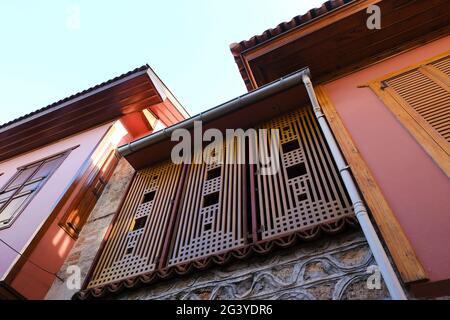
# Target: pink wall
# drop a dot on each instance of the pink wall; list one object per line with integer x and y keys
{"x": 53, "y": 248}
{"x": 415, "y": 187}
{"x": 31, "y": 219}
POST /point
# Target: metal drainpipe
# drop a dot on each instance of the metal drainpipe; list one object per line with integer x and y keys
{"x": 388, "y": 273}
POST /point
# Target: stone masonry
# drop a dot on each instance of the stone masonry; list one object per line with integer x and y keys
{"x": 334, "y": 267}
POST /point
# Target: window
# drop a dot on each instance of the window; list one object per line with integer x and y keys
{"x": 24, "y": 185}
{"x": 419, "y": 97}
{"x": 175, "y": 217}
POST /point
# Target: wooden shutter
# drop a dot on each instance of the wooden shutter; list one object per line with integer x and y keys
{"x": 78, "y": 212}
{"x": 135, "y": 243}
{"x": 442, "y": 65}
{"x": 307, "y": 192}
{"x": 425, "y": 97}
{"x": 420, "y": 98}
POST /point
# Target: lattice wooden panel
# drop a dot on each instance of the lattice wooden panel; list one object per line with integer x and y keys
{"x": 137, "y": 237}
{"x": 307, "y": 190}
{"x": 212, "y": 217}
{"x": 425, "y": 97}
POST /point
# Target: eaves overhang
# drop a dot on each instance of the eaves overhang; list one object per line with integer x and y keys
{"x": 130, "y": 92}
{"x": 334, "y": 40}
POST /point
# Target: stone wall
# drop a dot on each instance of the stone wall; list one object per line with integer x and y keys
{"x": 334, "y": 267}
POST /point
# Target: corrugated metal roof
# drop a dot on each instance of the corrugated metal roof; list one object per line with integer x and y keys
{"x": 76, "y": 95}
{"x": 238, "y": 48}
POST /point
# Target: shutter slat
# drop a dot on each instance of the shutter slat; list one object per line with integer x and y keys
{"x": 443, "y": 65}
{"x": 425, "y": 97}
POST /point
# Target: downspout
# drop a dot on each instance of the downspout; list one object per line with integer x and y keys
{"x": 388, "y": 273}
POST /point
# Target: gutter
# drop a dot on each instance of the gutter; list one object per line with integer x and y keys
{"x": 252, "y": 97}
{"x": 390, "y": 277}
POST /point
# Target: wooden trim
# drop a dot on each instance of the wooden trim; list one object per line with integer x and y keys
{"x": 98, "y": 178}
{"x": 104, "y": 152}
{"x": 436, "y": 146}
{"x": 393, "y": 101}
{"x": 249, "y": 71}
{"x": 398, "y": 244}
{"x": 437, "y": 76}
{"x": 414, "y": 127}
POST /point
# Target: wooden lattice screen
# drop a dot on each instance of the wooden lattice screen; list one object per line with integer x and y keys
{"x": 214, "y": 213}
{"x": 136, "y": 240}
{"x": 307, "y": 191}
{"x": 212, "y": 218}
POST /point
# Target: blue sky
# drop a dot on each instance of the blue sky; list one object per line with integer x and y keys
{"x": 44, "y": 58}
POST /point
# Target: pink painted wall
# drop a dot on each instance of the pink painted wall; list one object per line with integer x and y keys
{"x": 417, "y": 190}
{"x": 53, "y": 248}
{"x": 31, "y": 219}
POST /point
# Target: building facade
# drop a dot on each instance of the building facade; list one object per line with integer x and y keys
{"x": 361, "y": 187}
{"x": 55, "y": 163}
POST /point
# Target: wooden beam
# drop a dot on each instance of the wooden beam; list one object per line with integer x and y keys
{"x": 398, "y": 244}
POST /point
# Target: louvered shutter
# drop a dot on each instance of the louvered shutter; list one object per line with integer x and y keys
{"x": 424, "y": 93}
{"x": 442, "y": 65}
